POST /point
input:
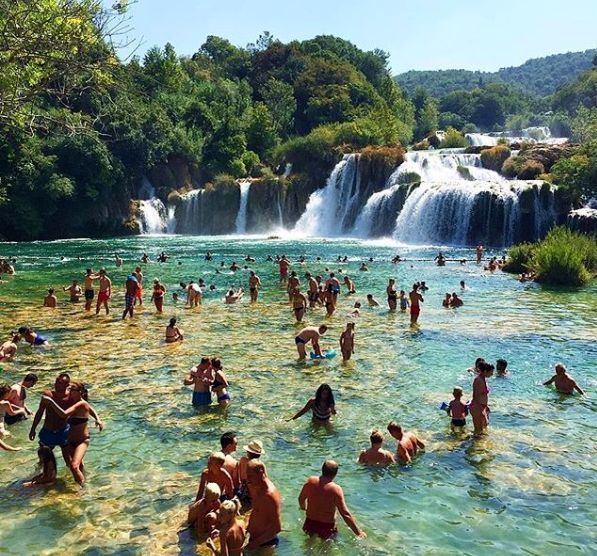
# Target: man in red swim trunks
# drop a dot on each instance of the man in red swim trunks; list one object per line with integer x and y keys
{"x": 415, "y": 308}
{"x": 105, "y": 292}
{"x": 321, "y": 497}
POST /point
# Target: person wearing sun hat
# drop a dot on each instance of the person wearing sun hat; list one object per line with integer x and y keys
{"x": 254, "y": 450}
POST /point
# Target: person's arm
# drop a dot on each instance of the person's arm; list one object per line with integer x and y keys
{"x": 189, "y": 379}
{"x": 550, "y": 381}
{"x": 223, "y": 380}
{"x": 8, "y": 448}
{"x": 403, "y": 454}
{"x": 201, "y": 486}
{"x": 179, "y": 333}
{"x": 420, "y": 444}
{"x": 12, "y": 409}
{"x": 315, "y": 344}
{"x": 98, "y": 421}
{"x": 360, "y": 458}
{"x": 333, "y": 409}
{"x": 64, "y": 413}
{"x": 303, "y": 496}
{"x": 346, "y": 515}
{"x": 305, "y": 409}
{"x": 449, "y": 409}
{"x": 342, "y": 340}
{"x": 193, "y": 512}
{"x": 38, "y": 415}
{"x": 578, "y": 388}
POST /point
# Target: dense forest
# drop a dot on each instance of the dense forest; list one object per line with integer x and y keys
{"x": 79, "y": 129}
{"x": 538, "y": 76}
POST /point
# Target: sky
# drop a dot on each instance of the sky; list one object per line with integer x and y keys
{"x": 418, "y": 34}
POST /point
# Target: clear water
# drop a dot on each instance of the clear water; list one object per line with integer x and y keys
{"x": 528, "y": 487}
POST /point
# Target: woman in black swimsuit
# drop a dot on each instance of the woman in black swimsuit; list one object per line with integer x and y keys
{"x": 78, "y": 437}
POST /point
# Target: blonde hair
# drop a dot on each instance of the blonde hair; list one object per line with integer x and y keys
{"x": 230, "y": 507}
{"x": 212, "y": 490}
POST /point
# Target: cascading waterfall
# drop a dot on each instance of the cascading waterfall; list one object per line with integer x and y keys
{"x": 188, "y": 212}
{"x": 536, "y": 134}
{"x": 153, "y": 216}
{"x": 241, "y": 217}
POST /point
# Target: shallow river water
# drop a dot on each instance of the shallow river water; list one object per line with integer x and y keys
{"x": 528, "y": 487}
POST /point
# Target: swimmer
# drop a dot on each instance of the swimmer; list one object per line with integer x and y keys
{"x": 215, "y": 473}
{"x": 501, "y": 366}
{"x": 293, "y": 284}
{"x": 457, "y": 410}
{"x": 447, "y": 300}
{"x": 363, "y": 268}
{"x": 117, "y": 260}
{"x": 371, "y": 301}
{"x": 232, "y": 532}
{"x": 347, "y": 342}
{"x": 392, "y": 294}
{"x": 173, "y": 333}
{"x": 249, "y": 259}
{"x": 232, "y": 296}
{"x": 356, "y": 310}
{"x": 376, "y": 455}
{"x": 130, "y": 291}
{"x": 462, "y": 285}
{"x": 234, "y": 267}
{"x": 254, "y": 285}
{"x": 309, "y": 334}
{"x": 328, "y": 300}
{"x": 440, "y": 259}
{"x": 50, "y": 300}
{"x": 32, "y": 338}
{"x": 74, "y": 290}
{"x": 415, "y": 308}
{"x": 456, "y": 301}
{"x": 476, "y": 368}
{"x": 105, "y": 292}
{"x": 145, "y": 258}
{"x": 404, "y": 304}
{"x": 47, "y": 464}
{"x": 283, "y": 265}
{"x": 322, "y": 406}
{"x": 408, "y": 443}
{"x": 193, "y": 293}
{"x": 564, "y": 383}
{"x": 162, "y": 257}
{"x": 175, "y": 298}
{"x": 203, "y": 513}
{"x": 9, "y": 348}
{"x": 220, "y": 383}
{"x": 157, "y": 295}
{"x": 423, "y": 287}
{"x": 349, "y": 285}
{"x": 299, "y": 304}
{"x": 7, "y": 409}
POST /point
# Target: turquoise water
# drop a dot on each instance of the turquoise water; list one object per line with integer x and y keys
{"x": 527, "y": 487}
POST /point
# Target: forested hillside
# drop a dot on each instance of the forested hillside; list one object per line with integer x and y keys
{"x": 539, "y": 76}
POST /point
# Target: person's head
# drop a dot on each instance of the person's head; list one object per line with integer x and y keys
{"x": 228, "y": 442}
{"x": 462, "y": 283}
{"x": 24, "y": 330}
{"x": 395, "y": 429}
{"x": 357, "y": 305}
{"x": 138, "y": 268}
{"x": 256, "y": 472}
{"x": 205, "y": 362}
{"x": 216, "y": 364}
{"x": 415, "y": 287}
{"x": 447, "y": 295}
{"x": 229, "y": 509}
{"x": 88, "y": 271}
{"x": 329, "y": 469}
{"x": 457, "y": 392}
{"x": 486, "y": 369}
{"x": 183, "y": 285}
{"x": 62, "y": 382}
{"x": 376, "y": 438}
{"x": 77, "y": 391}
{"x": 216, "y": 461}
{"x": 174, "y": 296}
{"x": 454, "y": 295}
{"x": 46, "y": 456}
{"x": 212, "y": 492}
{"x": 102, "y": 272}
{"x": 332, "y": 275}
{"x": 560, "y": 369}
{"x": 74, "y": 282}
{"x": 350, "y": 325}
{"x": 324, "y": 395}
{"x": 423, "y": 283}
{"x": 252, "y": 273}
{"x": 391, "y": 281}
{"x": 254, "y": 449}
{"x": 402, "y": 293}
{"x": 51, "y": 291}
{"x": 369, "y": 296}
{"x": 230, "y": 292}
{"x": 322, "y": 329}
{"x": 478, "y": 362}
{"x": 308, "y": 275}
{"x": 4, "y": 390}
{"x": 156, "y": 282}
{"x": 501, "y": 365}
{"x": 173, "y": 321}
{"x": 30, "y": 380}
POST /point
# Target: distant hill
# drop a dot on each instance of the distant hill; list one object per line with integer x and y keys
{"x": 539, "y": 76}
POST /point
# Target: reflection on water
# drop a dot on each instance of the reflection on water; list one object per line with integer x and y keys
{"x": 529, "y": 482}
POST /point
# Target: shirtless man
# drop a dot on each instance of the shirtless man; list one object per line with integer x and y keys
{"x": 131, "y": 286}
{"x": 376, "y": 455}
{"x": 117, "y": 261}
{"x": 480, "y": 251}
{"x": 332, "y": 285}
{"x": 216, "y": 473}
{"x": 284, "y": 264}
{"x": 229, "y": 443}
{"x": 293, "y": 284}
{"x": 371, "y": 301}
{"x": 55, "y": 429}
{"x": 408, "y": 443}
{"x": 88, "y": 283}
{"x": 320, "y": 497}
{"x": 139, "y": 293}
{"x": 415, "y": 308}
{"x": 9, "y": 348}
{"x": 254, "y": 285}
{"x": 349, "y": 285}
{"x": 564, "y": 383}
{"x": 306, "y": 335}
{"x": 265, "y": 522}
{"x": 299, "y": 304}
{"x": 105, "y": 292}
{"x": 74, "y": 291}
{"x": 17, "y": 397}
{"x": 347, "y": 342}
{"x": 201, "y": 377}
{"x": 232, "y": 296}
{"x": 50, "y": 300}
{"x": 313, "y": 286}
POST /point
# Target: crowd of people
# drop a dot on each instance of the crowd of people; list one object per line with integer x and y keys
{"x": 229, "y": 486}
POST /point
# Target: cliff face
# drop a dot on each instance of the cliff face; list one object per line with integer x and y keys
{"x": 176, "y": 174}
{"x": 267, "y": 197}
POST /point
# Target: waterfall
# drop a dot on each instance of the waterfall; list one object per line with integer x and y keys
{"x": 241, "y": 217}
{"x": 481, "y": 140}
{"x": 152, "y": 212}
{"x": 188, "y": 212}
{"x": 329, "y": 208}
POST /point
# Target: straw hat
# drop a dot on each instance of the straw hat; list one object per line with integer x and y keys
{"x": 255, "y": 447}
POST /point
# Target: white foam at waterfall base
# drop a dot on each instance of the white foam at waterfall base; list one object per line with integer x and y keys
{"x": 153, "y": 216}
{"x": 241, "y": 217}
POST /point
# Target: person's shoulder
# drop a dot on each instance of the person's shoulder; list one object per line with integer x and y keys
{"x": 48, "y": 393}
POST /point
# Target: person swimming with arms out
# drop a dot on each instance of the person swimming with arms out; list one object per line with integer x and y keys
{"x": 32, "y": 338}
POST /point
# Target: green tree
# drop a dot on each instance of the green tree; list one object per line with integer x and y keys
{"x": 261, "y": 131}
{"x": 279, "y": 99}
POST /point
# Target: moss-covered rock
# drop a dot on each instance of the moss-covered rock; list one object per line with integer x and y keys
{"x": 494, "y": 157}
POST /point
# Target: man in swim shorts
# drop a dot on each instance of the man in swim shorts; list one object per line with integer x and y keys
{"x": 131, "y": 286}
{"x": 89, "y": 292}
{"x": 306, "y": 335}
{"x": 254, "y": 285}
{"x": 202, "y": 377}
{"x": 376, "y": 455}
{"x": 321, "y": 497}
{"x": 265, "y": 522}
{"x": 105, "y": 292}
{"x": 415, "y": 308}
{"x": 55, "y": 429}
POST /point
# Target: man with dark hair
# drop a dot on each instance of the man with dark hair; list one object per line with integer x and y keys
{"x": 55, "y": 430}
{"x": 265, "y": 522}
{"x": 228, "y": 442}
{"x": 408, "y": 443}
{"x": 17, "y": 396}
{"x": 321, "y": 497}
{"x": 376, "y": 455}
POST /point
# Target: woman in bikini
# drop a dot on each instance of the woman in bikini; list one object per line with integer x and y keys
{"x": 299, "y": 304}
{"x": 220, "y": 383}
{"x": 322, "y": 405}
{"x": 173, "y": 333}
{"x": 78, "y": 417}
{"x": 159, "y": 290}
{"x": 392, "y": 294}
{"x": 479, "y": 408}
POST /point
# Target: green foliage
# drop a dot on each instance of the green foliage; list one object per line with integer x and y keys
{"x": 580, "y": 92}
{"x": 584, "y": 125}
{"x": 578, "y": 173}
{"x": 494, "y": 157}
{"x": 522, "y": 168}
{"x": 453, "y": 139}
{"x": 520, "y": 258}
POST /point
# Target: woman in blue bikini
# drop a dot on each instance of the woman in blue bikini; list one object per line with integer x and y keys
{"x": 220, "y": 383}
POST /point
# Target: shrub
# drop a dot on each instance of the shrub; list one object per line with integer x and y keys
{"x": 250, "y": 159}
{"x": 464, "y": 173}
{"x": 519, "y": 258}
{"x": 511, "y": 166}
{"x": 470, "y": 128}
{"x": 409, "y": 177}
{"x": 494, "y": 157}
{"x": 421, "y": 145}
{"x": 530, "y": 169}
{"x": 453, "y": 139}
{"x": 565, "y": 258}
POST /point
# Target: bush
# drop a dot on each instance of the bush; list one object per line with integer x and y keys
{"x": 421, "y": 145}
{"x": 510, "y": 167}
{"x": 470, "y": 128}
{"x": 530, "y": 169}
{"x": 578, "y": 174}
{"x": 465, "y": 173}
{"x": 409, "y": 177}
{"x": 453, "y": 139}
{"x": 519, "y": 258}
{"x": 565, "y": 258}
{"x": 494, "y": 157}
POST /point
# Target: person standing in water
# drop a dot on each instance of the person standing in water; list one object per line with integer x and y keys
{"x": 415, "y": 308}
{"x": 283, "y": 264}
{"x": 323, "y": 405}
{"x": 51, "y": 300}
{"x": 130, "y": 292}
{"x": 347, "y": 342}
{"x": 293, "y": 284}
{"x": 139, "y": 293}
{"x": 457, "y": 410}
{"x": 89, "y": 291}
{"x": 220, "y": 384}
{"x": 74, "y": 291}
{"x": 157, "y": 295}
{"x": 17, "y": 397}
{"x": 408, "y": 444}
{"x": 480, "y": 251}
{"x": 105, "y": 292}
{"x": 313, "y": 290}
{"x": 254, "y": 285}
{"x": 479, "y": 407}
{"x": 299, "y": 304}
{"x": 306, "y": 335}
{"x": 392, "y": 294}
{"x": 201, "y": 377}
{"x": 564, "y": 383}
{"x": 376, "y": 455}
{"x": 320, "y": 498}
